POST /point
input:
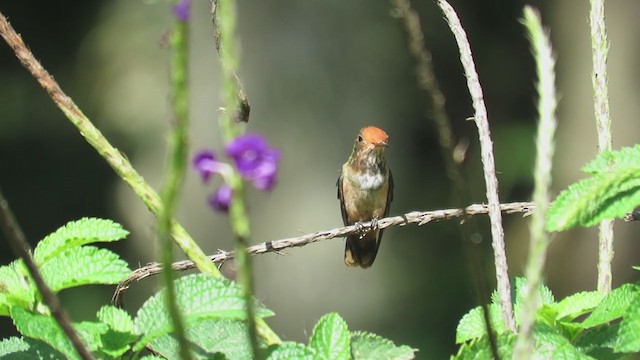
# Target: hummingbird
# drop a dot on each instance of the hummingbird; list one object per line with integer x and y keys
{"x": 365, "y": 191}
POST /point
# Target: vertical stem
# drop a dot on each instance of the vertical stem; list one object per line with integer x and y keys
{"x": 428, "y": 82}
{"x": 599, "y": 48}
{"x": 545, "y": 63}
{"x": 488, "y": 163}
{"x": 175, "y": 172}
{"x": 21, "y": 248}
{"x": 240, "y": 225}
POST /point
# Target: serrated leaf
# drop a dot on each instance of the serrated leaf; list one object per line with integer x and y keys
{"x": 480, "y": 349}
{"x": 76, "y": 233}
{"x": 550, "y": 344}
{"x": 629, "y": 332}
{"x": 27, "y": 349}
{"x": 152, "y": 357}
{"x": 612, "y": 161}
{"x": 599, "y": 337}
{"x": 578, "y": 304}
{"x": 331, "y": 338}
{"x": 118, "y": 339}
{"x": 546, "y": 296}
{"x": 589, "y": 201}
{"x": 472, "y": 325}
{"x": 16, "y": 287}
{"x": 46, "y": 329}
{"x": 199, "y": 297}
{"x": 117, "y": 319}
{"x": 209, "y": 337}
{"x": 613, "y": 306}
{"x": 290, "y": 351}
{"x": 83, "y": 266}
{"x": 371, "y": 346}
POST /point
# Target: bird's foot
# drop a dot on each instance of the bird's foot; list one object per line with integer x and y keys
{"x": 374, "y": 224}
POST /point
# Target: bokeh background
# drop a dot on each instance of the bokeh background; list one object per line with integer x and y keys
{"x": 315, "y": 72}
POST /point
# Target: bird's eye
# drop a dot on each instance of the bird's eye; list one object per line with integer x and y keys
{"x": 359, "y": 138}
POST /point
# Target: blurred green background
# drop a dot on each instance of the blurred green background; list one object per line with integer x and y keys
{"x": 315, "y": 72}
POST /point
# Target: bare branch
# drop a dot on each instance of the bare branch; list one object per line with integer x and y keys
{"x": 415, "y": 217}
{"x": 488, "y": 162}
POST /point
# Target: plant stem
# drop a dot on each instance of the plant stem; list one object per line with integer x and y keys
{"x": 175, "y": 173}
{"x": 94, "y": 137}
{"x": 21, "y": 248}
{"x": 238, "y": 216}
{"x": 428, "y": 82}
{"x": 488, "y": 163}
{"x": 599, "y": 78}
{"x": 545, "y": 63}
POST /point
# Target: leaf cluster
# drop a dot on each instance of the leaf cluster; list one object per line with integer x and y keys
{"x": 213, "y": 311}
{"x": 612, "y": 191}
{"x": 585, "y": 325}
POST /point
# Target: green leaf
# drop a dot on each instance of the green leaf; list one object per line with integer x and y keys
{"x": 629, "y": 333}
{"x": 290, "y": 351}
{"x": 44, "y": 328}
{"x": 550, "y": 344}
{"x": 76, "y": 233}
{"x": 546, "y": 296}
{"x": 83, "y": 266}
{"x": 597, "y": 338}
{"x": 209, "y": 337}
{"x": 199, "y": 297}
{"x": 117, "y": 340}
{"x": 603, "y": 196}
{"x": 331, "y": 338}
{"x": 578, "y": 304}
{"x": 16, "y": 287}
{"x": 27, "y": 349}
{"x": 371, "y": 346}
{"x": 613, "y": 161}
{"x": 472, "y": 325}
{"x": 117, "y": 319}
{"x": 613, "y": 306}
{"x": 481, "y": 349}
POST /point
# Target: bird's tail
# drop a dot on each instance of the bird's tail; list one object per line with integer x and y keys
{"x": 362, "y": 250}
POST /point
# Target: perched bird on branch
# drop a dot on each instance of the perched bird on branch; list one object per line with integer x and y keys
{"x": 365, "y": 191}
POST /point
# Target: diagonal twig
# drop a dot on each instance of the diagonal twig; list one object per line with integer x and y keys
{"x": 415, "y": 217}
{"x": 21, "y": 248}
{"x": 118, "y": 162}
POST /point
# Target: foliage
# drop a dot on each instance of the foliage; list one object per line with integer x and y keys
{"x": 612, "y": 191}
{"x": 610, "y": 330}
{"x": 213, "y": 310}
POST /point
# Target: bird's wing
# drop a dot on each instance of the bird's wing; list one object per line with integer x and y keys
{"x": 389, "y": 195}
{"x": 343, "y": 210}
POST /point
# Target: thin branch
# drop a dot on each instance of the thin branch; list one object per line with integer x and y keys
{"x": 21, "y": 248}
{"x": 488, "y": 163}
{"x": 224, "y": 21}
{"x": 94, "y": 137}
{"x": 545, "y": 63}
{"x": 599, "y": 78}
{"x": 276, "y": 246}
{"x": 175, "y": 170}
{"x": 244, "y": 109}
{"x": 428, "y": 82}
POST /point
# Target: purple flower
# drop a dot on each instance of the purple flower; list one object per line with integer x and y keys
{"x": 182, "y": 10}
{"x": 255, "y": 160}
{"x": 206, "y": 164}
{"x": 221, "y": 199}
